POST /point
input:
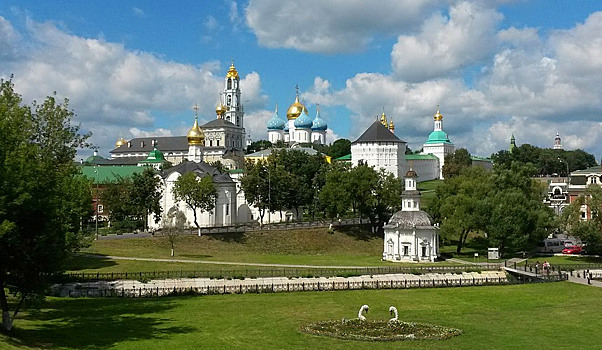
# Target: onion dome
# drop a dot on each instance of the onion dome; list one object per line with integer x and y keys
{"x": 411, "y": 173}
{"x": 195, "y": 135}
{"x": 303, "y": 122}
{"x": 276, "y": 123}
{"x": 94, "y": 159}
{"x": 232, "y": 73}
{"x": 319, "y": 124}
{"x": 220, "y": 110}
{"x": 296, "y": 108}
{"x": 438, "y": 116}
{"x": 391, "y": 126}
{"x": 383, "y": 119}
{"x": 121, "y": 142}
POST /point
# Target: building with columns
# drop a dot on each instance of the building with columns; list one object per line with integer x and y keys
{"x": 410, "y": 234}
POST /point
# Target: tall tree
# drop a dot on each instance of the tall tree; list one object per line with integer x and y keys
{"x": 256, "y": 184}
{"x": 339, "y": 148}
{"x": 146, "y": 195}
{"x": 335, "y": 196}
{"x": 456, "y": 162}
{"x": 43, "y": 196}
{"x": 197, "y": 193}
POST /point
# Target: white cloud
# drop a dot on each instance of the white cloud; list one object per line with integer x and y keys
{"x": 110, "y": 85}
{"x": 160, "y": 132}
{"x": 138, "y": 12}
{"x": 331, "y": 26}
{"x": 445, "y": 44}
{"x": 210, "y": 23}
{"x": 9, "y": 39}
{"x": 255, "y": 123}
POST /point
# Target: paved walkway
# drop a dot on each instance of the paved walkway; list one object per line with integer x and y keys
{"x": 580, "y": 278}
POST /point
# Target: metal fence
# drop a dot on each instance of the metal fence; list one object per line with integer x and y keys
{"x": 293, "y": 286}
{"x": 275, "y": 272}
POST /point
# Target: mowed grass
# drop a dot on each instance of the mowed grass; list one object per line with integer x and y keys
{"x": 534, "y": 316}
{"x": 352, "y": 247}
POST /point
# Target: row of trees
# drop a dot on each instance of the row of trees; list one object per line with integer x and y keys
{"x": 504, "y": 205}
{"x": 337, "y": 149}
{"x": 589, "y": 231}
{"x": 290, "y": 179}
{"x": 547, "y": 161}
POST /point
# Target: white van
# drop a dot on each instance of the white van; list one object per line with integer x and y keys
{"x": 550, "y": 245}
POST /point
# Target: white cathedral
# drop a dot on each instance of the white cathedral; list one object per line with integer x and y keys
{"x": 299, "y": 127}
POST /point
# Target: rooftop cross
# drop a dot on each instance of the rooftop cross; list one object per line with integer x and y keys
{"x": 196, "y": 109}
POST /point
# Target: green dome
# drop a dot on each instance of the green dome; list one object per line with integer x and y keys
{"x": 155, "y": 156}
{"x": 438, "y": 136}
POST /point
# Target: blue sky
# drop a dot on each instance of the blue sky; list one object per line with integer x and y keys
{"x": 135, "y": 68}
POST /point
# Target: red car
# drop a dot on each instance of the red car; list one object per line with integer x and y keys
{"x": 574, "y": 249}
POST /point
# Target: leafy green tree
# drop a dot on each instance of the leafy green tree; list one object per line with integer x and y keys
{"x": 43, "y": 196}
{"x": 456, "y": 162}
{"x": 197, "y": 193}
{"x": 256, "y": 184}
{"x": 335, "y": 195}
{"x": 362, "y": 181}
{"x": 145, "y": 195}
{"x": 339, "y": 148}
{"x": 386, "y": 197}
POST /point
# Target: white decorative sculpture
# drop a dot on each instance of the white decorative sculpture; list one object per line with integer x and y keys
{"x": 362, "y": 309}
{"x": 393, "y": 311}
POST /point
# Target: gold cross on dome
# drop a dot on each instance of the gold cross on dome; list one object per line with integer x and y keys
{"x": 196, "y": 109}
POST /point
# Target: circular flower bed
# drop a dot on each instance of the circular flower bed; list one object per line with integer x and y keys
{"x": 379, "y": 330}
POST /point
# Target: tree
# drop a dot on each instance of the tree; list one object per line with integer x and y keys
{"x": 589, "y": 231}
{"x": 174, "y": 224}
{"x": 339, "y": 148}
{"x": 146, "y": 195}
{"x": 197, "y": 193}
{"x": 335, "y": 195}
{"x": 43, "y": 196}
{"x": 258, "y": 146}
{"x": 455, "y": 162}
{"x": 255, "y": 184}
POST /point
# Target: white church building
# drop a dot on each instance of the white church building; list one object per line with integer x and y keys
{"x": 410, "y": 235}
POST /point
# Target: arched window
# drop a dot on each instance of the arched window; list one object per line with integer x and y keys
{"x": 229, "y": 83}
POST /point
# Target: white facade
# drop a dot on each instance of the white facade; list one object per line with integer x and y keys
{"x": 381, "y": 155}
{"x": 438, "y": 143}
{"x": 410, "y": 235}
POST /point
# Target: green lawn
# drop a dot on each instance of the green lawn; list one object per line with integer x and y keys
{"x": 534, "y": 316}
{"x": 353, "y": 246}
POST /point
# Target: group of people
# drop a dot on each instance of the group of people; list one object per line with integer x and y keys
{"x": 546, "y": 266}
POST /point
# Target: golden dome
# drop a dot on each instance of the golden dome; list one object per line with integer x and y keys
{"x": 391, "y": 126}
{"x": 232, "y": 73}
{"x": 295, "y": 109}
{"x": 220, "y": 110}
{"x": 438, "y": 116}
{"x": 121, "y": 142}
{"x": 195, "y": 135}
{"x": 383, "y": 119}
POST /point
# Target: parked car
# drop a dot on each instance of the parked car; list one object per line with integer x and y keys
{"x": 574, "y": 249}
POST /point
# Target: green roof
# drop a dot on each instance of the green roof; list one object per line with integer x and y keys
{"x": 420, "y": 156}
{"x": 438, "y": 136}
{"x": 347, "y": 157}
{"x": 484, "y": 159}
{"x": 594, "y": 169}
{"x": 236, "y": 171}
{"x": 106, "y": 174}
{"x": 154, "y": 156}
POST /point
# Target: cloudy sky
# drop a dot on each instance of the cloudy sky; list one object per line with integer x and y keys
{"x": 132, "y": 68}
